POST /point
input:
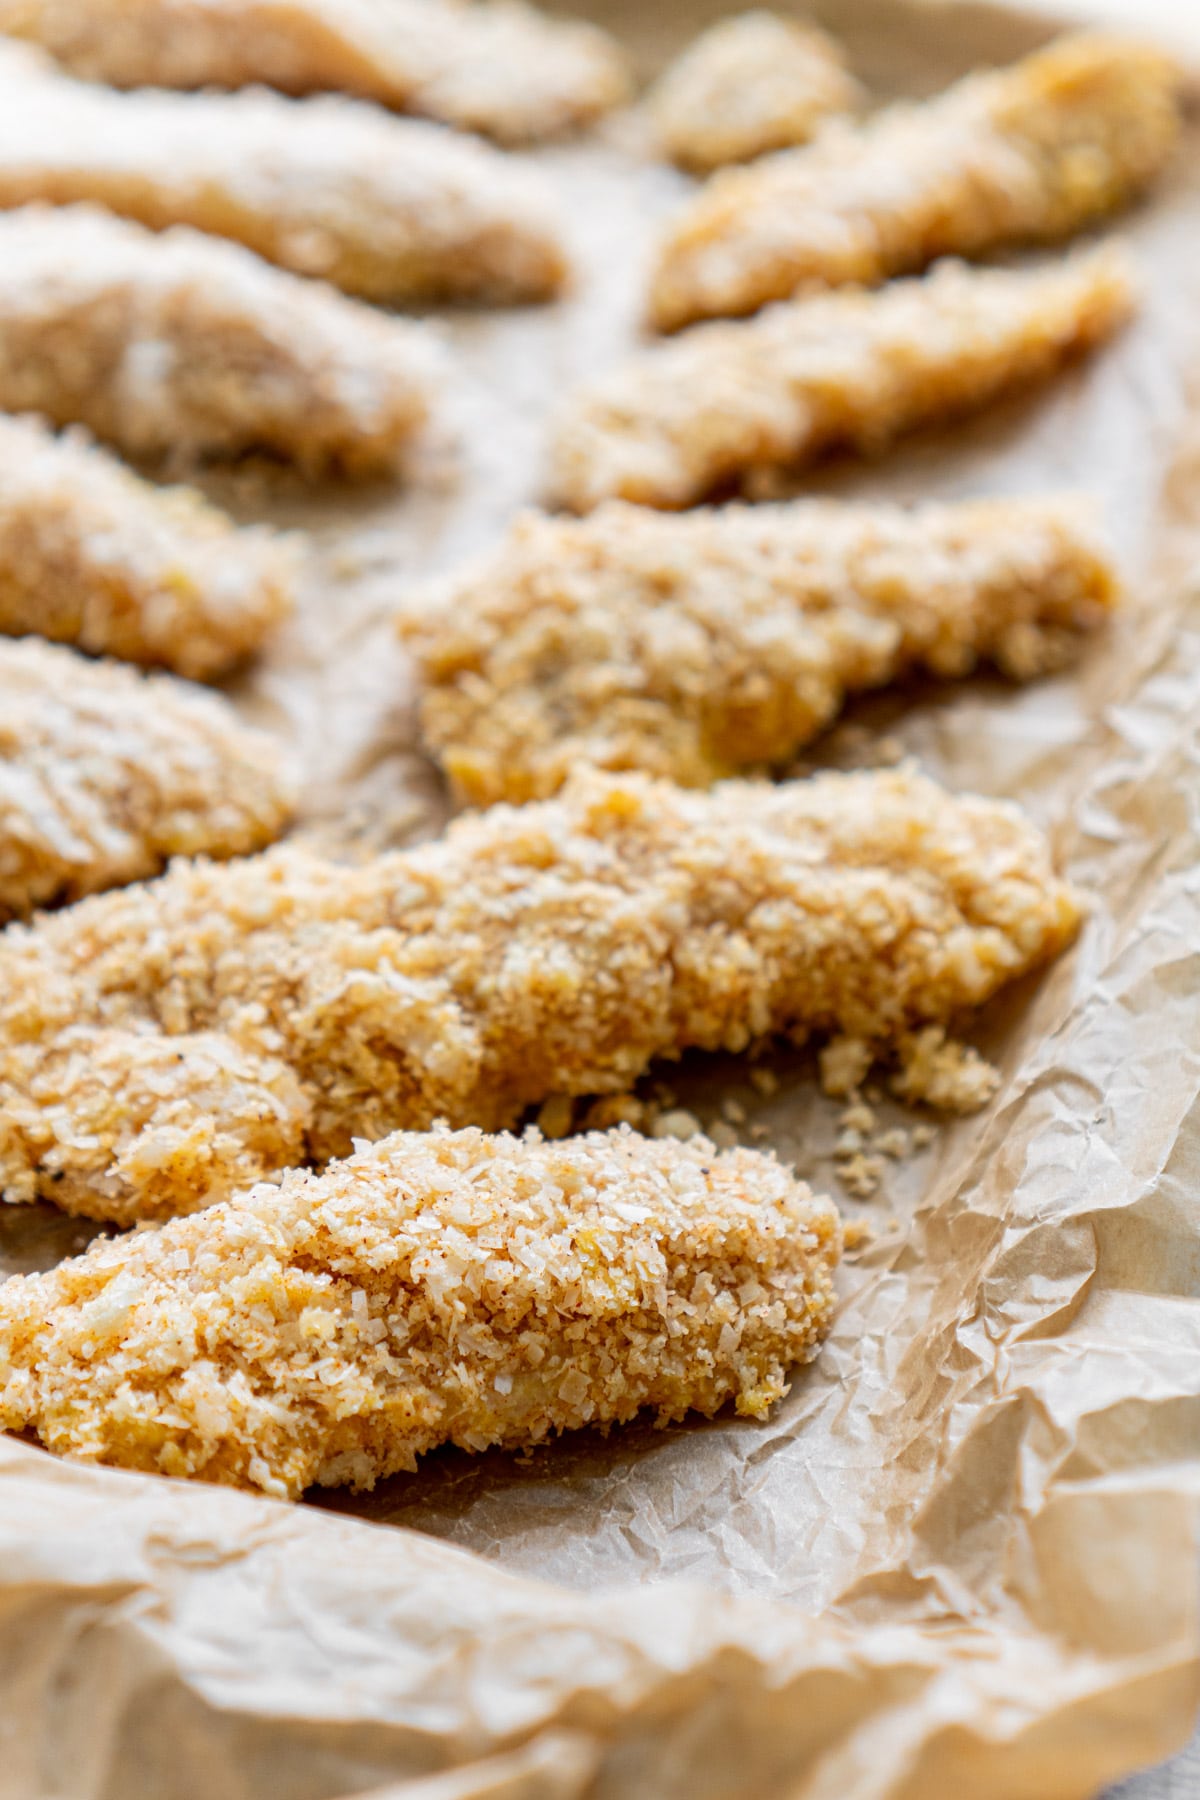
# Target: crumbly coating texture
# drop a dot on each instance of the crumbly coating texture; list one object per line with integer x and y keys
{"x": 931, "y": 1067}
{"x": 1031, "y": 154}
{"x": 753, "y": 83}
{"x": 180, "y": 346}
{"x": 935, "y": 1069}
{"x": 500, "y": 68}
{"x": 434, "y": 1288}
{"x": 699, "y": 645}
{"x": 728, "y": 403}
{"x": 393, "y": 210}
{"x": 556, "y": 948}
{"x": 105, "y": 774}
{"x": 93, "y": 556}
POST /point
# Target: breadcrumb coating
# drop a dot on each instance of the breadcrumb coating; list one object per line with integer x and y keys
{"x": 728, "y": 403}
{"x": 93, "y": 556}
{"x": 698, "y": 645}
{"x": 935, "y": 1069}
{"x": 556, "y": 948}
{"x": 931, "y": 1067}
{"x": 500, "y": 68}
{"x": 750, "y": 84}
{"x": 178, "y": 345}
{"x": 105, "y": 774}
{"x": 393, "y": 210}
{"x": 1030, "y": 154}
{"x": 442, "y": 1288}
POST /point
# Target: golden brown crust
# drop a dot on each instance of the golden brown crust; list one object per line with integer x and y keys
{"x": 555, "y": 948}
{"x": 443, "y": 1288}
{"x": 750, "y": 84}
{"x": 91, "y": 555}
{"x": 704, "y": 644}
{"x": 500, "y": 68}
{"x": 1031, "y": 154}
{"x": 729, "y": 403}
{"x": 393, "y": 210}
{"x": 106, "y": 774}
{"x": 178, "y": 345}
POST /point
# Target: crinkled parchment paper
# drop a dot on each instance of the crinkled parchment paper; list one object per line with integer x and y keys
{"x": 960, "y": 1560}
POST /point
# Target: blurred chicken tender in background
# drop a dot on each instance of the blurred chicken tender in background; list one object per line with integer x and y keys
{"x": 393, "y": 210}
{"x": 731, "y": 403}
{"x": 698, "y": 645}
{"x": 497, "y": 67}
{"x": 93, "y": 556}
{"x": 1025, "y": 155}
{"x": 105, "y": 774}
{"x": 176, "y": 345}
{"x": 752, "y": 83}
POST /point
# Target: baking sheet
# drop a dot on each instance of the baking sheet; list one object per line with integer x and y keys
{"x": 960, "y": 1559}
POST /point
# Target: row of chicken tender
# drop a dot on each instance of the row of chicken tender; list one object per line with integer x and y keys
{"x": 245, "y": 357}
{"x": 166, "y": 1045}
{"x": 289, "y": 1067}
{"x": 402, "y": 212}
{"x": 160, "y": 340}
{"x": 174, "y": 344}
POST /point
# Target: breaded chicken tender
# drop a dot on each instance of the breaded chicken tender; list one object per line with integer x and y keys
{"x": 105, "y": 774}
{"x": 1031, "y": 154}
{"x": 550, "y": 949}
{"x": 751, "y": 83}
{"x": 727, "y": 404}
{"x": 698, "y": 645}
{"x": 443, "y": 1288}
{"x": 181, "y": 346}
{"x": 93, "y": 556}
{"x": 500, "y": 68}
{"x": 393, "y": 210}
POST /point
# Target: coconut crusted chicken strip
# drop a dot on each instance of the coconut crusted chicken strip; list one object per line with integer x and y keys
{"x": 394, "y": 210}
{"x": 1031, "y": 154}
{"x": 698, "y": 645}
{"x": 500, "y": 68}
{"x": 179, "y": 345}
{"x": 549, "y": 949}
{"x": 752, "y": 83}
{"x": 433, "y": 1289}
{"x": 93, "y": 556}
{"x": 728, "y": 404}
{"x": 105, "y": 774}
